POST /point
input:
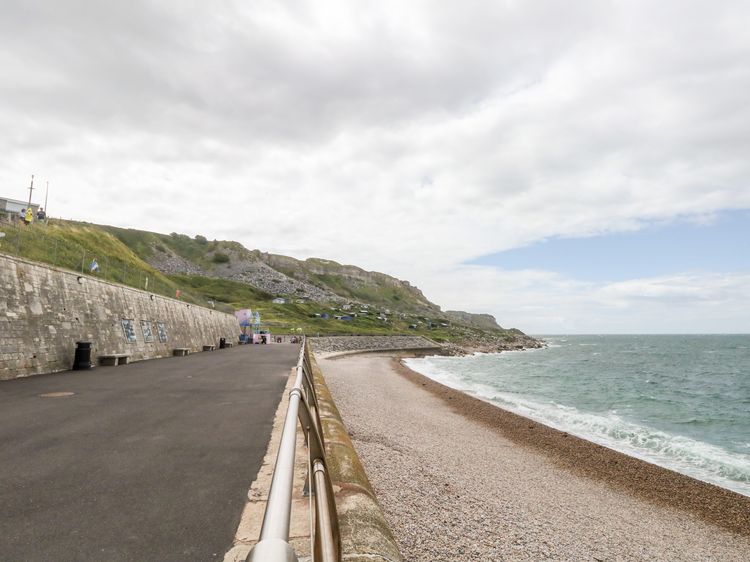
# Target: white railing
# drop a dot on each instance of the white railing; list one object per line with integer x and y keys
{"x": 273, "y": 544}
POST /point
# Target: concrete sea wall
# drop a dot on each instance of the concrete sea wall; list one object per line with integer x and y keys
{"x": 365, "y": 534}
{"x": 44, "y": 311}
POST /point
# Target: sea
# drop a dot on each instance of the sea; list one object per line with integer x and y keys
{"x": 681, "y": 402}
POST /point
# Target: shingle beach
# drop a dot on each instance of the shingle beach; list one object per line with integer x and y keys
{"x": 460, "y": 479}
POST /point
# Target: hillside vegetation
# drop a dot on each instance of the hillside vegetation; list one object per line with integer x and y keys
{"x": 228, "y": 276}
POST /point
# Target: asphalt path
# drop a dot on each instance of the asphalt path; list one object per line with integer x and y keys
{"x": 147, "y": 461}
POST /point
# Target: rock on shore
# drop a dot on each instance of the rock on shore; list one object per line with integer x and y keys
{"x": 488, "y": 342}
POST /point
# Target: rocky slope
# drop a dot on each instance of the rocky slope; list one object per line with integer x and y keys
{"x": 313, "y": 279}
{"x": 354, "y": 283}
{"x": 245, "y": 268}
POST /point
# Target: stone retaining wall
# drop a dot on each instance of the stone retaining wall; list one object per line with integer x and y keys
{"x": 45, "y": 310}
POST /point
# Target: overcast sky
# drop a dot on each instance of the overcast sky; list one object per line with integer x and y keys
{"x": 428, "y": 140}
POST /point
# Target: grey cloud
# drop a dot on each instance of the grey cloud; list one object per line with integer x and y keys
{"x": 136, "y": 65}
{"x": 404, "y": 137}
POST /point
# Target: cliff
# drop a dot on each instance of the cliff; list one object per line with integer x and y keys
{"x": 481, "y": 321}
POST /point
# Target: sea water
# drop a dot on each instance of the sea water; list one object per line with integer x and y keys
{"x": 681, "y": 402}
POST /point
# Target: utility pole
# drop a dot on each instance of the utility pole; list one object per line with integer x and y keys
{"x": 31, "y": 188}
{"x": 46, "y": 194}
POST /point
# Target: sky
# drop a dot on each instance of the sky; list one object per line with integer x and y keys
{"x": 569, "y": 167}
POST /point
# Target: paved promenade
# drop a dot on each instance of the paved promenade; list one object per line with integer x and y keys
{"x": 148, "y": 461}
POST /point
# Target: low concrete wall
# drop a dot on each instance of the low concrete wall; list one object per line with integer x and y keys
{"x": 44, "y": 311}
{"x": 365, "y": 534}
{"x": 371, "y": 343}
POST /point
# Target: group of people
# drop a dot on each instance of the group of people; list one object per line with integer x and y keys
{"x": 27, "y": 215}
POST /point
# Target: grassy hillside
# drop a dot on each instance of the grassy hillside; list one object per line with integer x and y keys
{"x": 393, "y": 306}
{"x": 293, "y": 316}
{"x": 121, "y": 255}
{"x": 350, "y": 282}
{"x": 203, "y": 253}
{"x": 72, "y": 245}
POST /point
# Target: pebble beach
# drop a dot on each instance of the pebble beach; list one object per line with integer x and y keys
{"x": 460, "y": 479}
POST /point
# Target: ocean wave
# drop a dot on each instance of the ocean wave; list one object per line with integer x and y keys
{"x": 694, "y": 458}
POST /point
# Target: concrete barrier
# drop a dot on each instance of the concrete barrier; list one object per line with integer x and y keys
{"x": 365, "y": 534}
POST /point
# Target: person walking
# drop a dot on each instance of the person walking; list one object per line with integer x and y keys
{"x": 29, "y": 216}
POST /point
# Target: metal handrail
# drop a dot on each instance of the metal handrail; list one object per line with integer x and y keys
{"x": 273, "y": 544}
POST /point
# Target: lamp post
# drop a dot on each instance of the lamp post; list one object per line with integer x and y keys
{"x": 31, "y": 188}
{"x": 46, "y": 194}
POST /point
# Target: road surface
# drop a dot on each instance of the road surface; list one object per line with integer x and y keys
{"x": 139, "y": 462}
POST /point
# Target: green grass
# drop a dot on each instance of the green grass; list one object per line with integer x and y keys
{"x": 72, "y": 245}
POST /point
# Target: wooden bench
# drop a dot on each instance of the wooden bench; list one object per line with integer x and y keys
{"x": 209, "y": 347}
{"x": 181, "y": 351}
{"x": 114, "y": 359}
{"x": 228, "y": 344}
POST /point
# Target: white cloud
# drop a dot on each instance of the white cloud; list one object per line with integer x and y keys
{"x": 407, "y": 138}
{"x": 544, "y": 303}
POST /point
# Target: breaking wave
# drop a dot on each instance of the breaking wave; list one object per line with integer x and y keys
{"x": 700, "y": 460}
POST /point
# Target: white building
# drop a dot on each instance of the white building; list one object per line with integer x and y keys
{"x": 13, "y": 206}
